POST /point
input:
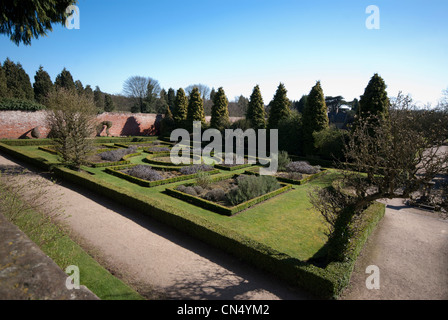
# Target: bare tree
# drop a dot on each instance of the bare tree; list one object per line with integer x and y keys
{"x": 387, "y": 158}
{"x": 203, "y": 90}
{"x": 143, "y": 89}
{"x": 72, "y": 121}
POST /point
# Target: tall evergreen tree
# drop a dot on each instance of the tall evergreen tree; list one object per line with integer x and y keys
{"x": 374, "y": 101}
{"x": 108, "y": 103}
{"x": 171, "y": 99}
{"x": 88, "y": 92}
{"x": 79, "y": 87}
{"x": 42, "y": 85}
{"x": 3, "y": 86}
{"x": 315, "y": 117}
{"x": 98, "y": 98}
{"x": 220, "y": 111}
{"x": 181, "y": 110}
{"x": 65, "y": 80}
{"x": 195, "y": 108}
{"x": 17, "y": 81}
{"x": 256, "y": 113}
{"x": 280, "y": 107}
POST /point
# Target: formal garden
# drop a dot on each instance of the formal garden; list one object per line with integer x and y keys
{"x": 265, "y": 220}
{"x": 306, "y": 223}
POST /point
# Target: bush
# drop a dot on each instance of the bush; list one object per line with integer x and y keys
{"x": 203, "y": 179}
{"x": 215, "y": 195}
{"x": 159, "y": 149}
{"x": 302, "y": 167}
{"x": 117, "y": 155}
{"x": 251, "y": 187}
{"x": 145, "y": 173}
{"x": 330, "y": 143}
{"x": 195, "y": 169}
{"x": 283, "y": 160}
{"x": 7, "y": 104}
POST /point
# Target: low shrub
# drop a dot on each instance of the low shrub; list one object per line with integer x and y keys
{"x": 302, "y": 167}
{"x": 159, "y": 149}
{"x": 283, "y": 160}
{"x": 215, "y": 195}
{"x": 203, "y": 179}
{"x": 195, "y": 169}
{"x": 145, "y": 173}
{"x": 117, "y": 155}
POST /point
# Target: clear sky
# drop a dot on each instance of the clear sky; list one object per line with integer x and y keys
{"x": 238, "y": 44}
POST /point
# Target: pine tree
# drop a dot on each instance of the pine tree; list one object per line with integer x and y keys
{"x": 256, "y": 113}
{"x": 98, "y": 98}
{"x": 315, "y": 117}
{"x": 375, "y": 101}
{"x": 220, "y": 111}
{"x": 280, "y": 107}
{"x": 181, "y": 110}
{"x": 3, "y": 86}
{"x": 88, "y": 92}
{"x": 42, "y": 85}
{"x": 79, "y": 87}
{"x": 108, "y": 103}
{"x": 17, "y": 81}
{"x": 65, "y": 80}
{"x": 171, "y": 99}
{"x": 195, "y": 109}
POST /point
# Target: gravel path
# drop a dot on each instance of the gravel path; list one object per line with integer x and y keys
{"x": 410, "y": 247}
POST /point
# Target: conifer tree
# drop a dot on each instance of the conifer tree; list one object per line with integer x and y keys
{"x": 42, "y": 85}
{"x": 256, "y": 113}
{"x": 108, "y": 103}
{"x": 374, "y": 101}
{"x": 315, "y": 116}
{"x": 98, "y": 98}
{"x": 17, "y": 81}
{"x": 220, "y": 111}
{"x": 3, "y": 86}
{"x": 171, "y": 99}
{"x": 195, "y": 108}
{"x": 79, "y": 87}
{"x": 181, "y": 110}
{"x": 65, "y": 80}
{"x": 280, "y": 107}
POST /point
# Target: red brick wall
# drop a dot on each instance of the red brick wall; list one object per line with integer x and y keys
{"x": 18, "y": 124}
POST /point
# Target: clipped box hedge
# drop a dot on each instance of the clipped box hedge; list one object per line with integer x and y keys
{"x": 149, "y": 184}
{"x": 227, "y": 211}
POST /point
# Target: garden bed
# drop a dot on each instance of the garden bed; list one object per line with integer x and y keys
{"x": 169, "y": 175}
{"x": 287, "y": 177}
{"x": 217, "y": 203}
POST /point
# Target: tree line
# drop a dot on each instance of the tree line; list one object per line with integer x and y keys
{"x": 16, "y": 84}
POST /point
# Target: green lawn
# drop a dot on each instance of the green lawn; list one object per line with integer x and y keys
{"x": 286, "y": 223}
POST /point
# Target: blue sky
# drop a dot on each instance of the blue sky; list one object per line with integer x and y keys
{"x": 239, "y": 44}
